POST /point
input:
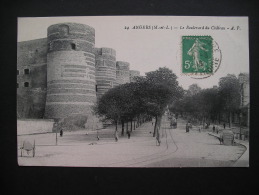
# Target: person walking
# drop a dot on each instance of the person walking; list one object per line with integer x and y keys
{"x": 128, "y": 134}
{"x": 213, "y": 128}
{"x": 61, "y": 132}
{"x": 217, "y": 129}
{"x": 224, "y": 125}
{"x": 158, "y": 141}
{"x": 116, "y": 136}
{"x": 60, "y": 129}
{"x": 187, "y": 127}
{"x": 98, "y": 137}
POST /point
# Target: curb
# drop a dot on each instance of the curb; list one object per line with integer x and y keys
{"x": 35, "y": 133}
{"x": 243, "y": 160}
{"x": 214, "y": 135}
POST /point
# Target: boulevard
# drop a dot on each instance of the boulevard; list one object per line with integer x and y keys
{"x": 177, "y": 149}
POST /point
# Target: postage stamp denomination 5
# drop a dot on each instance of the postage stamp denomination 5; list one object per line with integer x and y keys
{"x": 197, "y": 54}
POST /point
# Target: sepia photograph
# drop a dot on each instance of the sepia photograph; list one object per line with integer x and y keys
{"x": 133, "y": 91}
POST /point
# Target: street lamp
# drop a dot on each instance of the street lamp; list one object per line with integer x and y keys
{"x": 55, "y": 129}
{"x": 240, "y": 117}
{"x": 56, "y": 136}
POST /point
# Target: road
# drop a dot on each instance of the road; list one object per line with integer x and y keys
{"x": 178, "y": 149}
{"x": 196, "y": 149}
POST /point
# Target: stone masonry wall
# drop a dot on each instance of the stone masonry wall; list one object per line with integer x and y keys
{"x": 134, "y": 73}
{"x": 31, "y": 78}
{"x": 71, "y": 70}
{"x": 31, "y": 126}
{"x": 122, "y": 72}
{"x": 105, "y": 69}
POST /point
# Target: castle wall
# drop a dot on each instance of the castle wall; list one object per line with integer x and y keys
{"x": 122, "y": 72}
{"x": 58, "y": 76}
{"x": 31, "y": 126}
{"x": 105, "y": 69}
{"x": 70, "y": 70}
{"x": 31, "y": 78}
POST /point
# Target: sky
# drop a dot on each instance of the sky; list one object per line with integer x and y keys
{"x": 147, "y": 50}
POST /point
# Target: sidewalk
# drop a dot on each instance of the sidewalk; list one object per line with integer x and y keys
{"x": 81, "y": 150}
{"x": 243, "y": 161}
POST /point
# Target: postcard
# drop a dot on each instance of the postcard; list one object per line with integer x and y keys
{"x": 133, "y": 91}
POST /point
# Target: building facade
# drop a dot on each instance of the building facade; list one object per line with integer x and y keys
{"x": 245, "y": 98}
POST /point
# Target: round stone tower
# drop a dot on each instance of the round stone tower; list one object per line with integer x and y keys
{"x": 70, "y": 70}
{"x": 105, "y": 66}
{"x": 133, "y": 74}
{"x": 122, "y": 72}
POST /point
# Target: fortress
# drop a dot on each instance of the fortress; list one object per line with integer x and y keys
{"x": 64, "y": 74}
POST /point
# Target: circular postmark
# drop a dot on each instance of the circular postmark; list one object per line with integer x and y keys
{"x": 200, "y": 56}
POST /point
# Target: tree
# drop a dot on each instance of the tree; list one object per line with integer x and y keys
{"x": 129, "y": 103}
{"x": 121, "y": 103}
{"x": 148, "y": 96}
{"x": 159, "y": 89}
{"x": 193, "y": 89}
{"x": 109, "y": 106}
{"x": 229, "y": 94}
{"x": 208, "y": 104}
{"x": 199, "y": 104}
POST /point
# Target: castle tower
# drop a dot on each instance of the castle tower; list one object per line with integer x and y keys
{"x": 134, "y": 73}
{"x": 122, "y": 72}
{"x": 105, "y": 69}
{"x": 70, "y": 70}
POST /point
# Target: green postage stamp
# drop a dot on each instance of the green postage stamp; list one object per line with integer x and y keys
{"x": 197, "y": 55}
